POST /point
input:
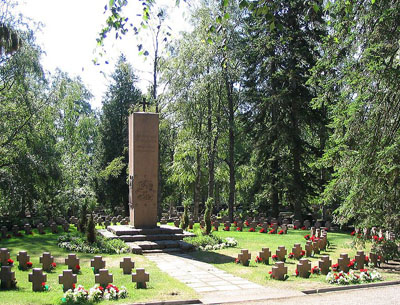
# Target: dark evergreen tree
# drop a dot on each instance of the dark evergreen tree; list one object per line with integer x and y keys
{"x": 112, "y": 187}
{"x": 281, "y": 50}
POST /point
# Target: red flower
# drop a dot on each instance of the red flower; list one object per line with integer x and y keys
{"x": 29, "y": 264}
{"x": 73, "y": 286}
{"x": 101, "y": 288}
{"x": 10, "y": 261}
{"x": 263, "y": 230}
{"x": 280, "y": 232}
{"x": 252, "y": 230}
{"x": 274, "y": 257}
{"x": 237, "y": 261}
{"x": 226, "y": 228}
{"x": 272, "y": 231}
{"x": 291, "y": 255}
{"x": 335, "y": 267}
{"x": 353, "y": 233}
{"x": 315, "y": 270}
{"x": 258, "y": 259}
{"x": 235, "y": 223}
{"x": 364, "y": 270}
{"x": 239, "y": 229}
{"x": 307, "y": 237}
{"x": 77, "y": 267}
{"x": 366, "y": 259}
{"x": 270, "y": 272}
{"x": 297, "y": 272}
{"x": 303, "y": 228}
{"x": 246, "y": 223}
{"x": 303, "y": 253}
{"x": 295, "y": 227}
{"x": 53, "y": 265}
{"x": 43, "y": 284}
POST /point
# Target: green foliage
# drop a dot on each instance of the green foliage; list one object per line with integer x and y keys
{"x": 185, "y": 215}
{"x": 91, "y": 230}
{"x": 387, "y": 249}
{"x": 207, "y": 214}
{"x": 83, "y": 218}
{"x": 204, "y": 240}
{"x": 78, "y": 243}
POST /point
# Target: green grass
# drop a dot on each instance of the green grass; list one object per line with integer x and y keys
{"x": 258, "y": 273}
{"x": 160, "y": 287}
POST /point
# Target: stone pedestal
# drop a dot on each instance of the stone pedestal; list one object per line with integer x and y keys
{"x": 143, "y": 169}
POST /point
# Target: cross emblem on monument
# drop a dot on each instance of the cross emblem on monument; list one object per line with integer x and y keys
{"x": 140, "y": 277}
{"x": 103, "y": 278}
{"x": 144, "y": 104}
{"x": 67, "y": 279}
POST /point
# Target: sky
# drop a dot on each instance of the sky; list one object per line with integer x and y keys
{"x": 68, "y": 38}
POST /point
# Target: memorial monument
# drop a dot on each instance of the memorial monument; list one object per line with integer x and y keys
{"x": 143, "y": 169}
{"x": 143, "y": 234}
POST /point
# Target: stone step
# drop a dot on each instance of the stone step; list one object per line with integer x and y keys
{"x": 166, "y": 250}
{"x": 128, "y": 230}
{"x": 132, "y": 238}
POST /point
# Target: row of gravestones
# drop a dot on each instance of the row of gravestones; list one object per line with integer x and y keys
{"x": 388, "y": 235}
{"x": 28, "y": 229}
{"x": 69, "y": 278}
{"x": 279, "y": 271}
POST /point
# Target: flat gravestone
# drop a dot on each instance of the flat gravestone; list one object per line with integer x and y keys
{"x": 244, "y": 257}
{"x": 324, "y": 264}
{"x": 360, "y": 260}
{"x": 143, "y": 169}
{"x": 73, "y": 263}
{"x": 23, "y": 259}
{"x": 343, "y": 262}
{"x": 40, "y": 228}
{"x": 103, "y": 278}
{"x": 46, "y": 260}
{"x": 281, "y": 253}
{"x": 67, "y": 279}
{"x": 296, "y": 250}
{"x": 265, "y": 254}
{"x": 127, "y": 265}
{"x": 304, "y": 268}
{"x": 97, "y": 263}
{"x": 4, "y": 256}
{"x": 140, "y": 277}
{"x": 7, "y": 277}
{"x": 37, "y": 278}
{"x": 279, "y": 271}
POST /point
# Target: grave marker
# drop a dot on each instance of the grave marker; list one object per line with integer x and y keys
{"x": 281, "y": 253}
{"x": 324, "y": 264}
{"x": 3, "y": 232}
{"x": 7, "y": 277}
{"x": 343, "y": 262}
{"x": 304, "y": 268}
{"x": 265, "y": 254}
{"x": 97, "y": 263}
{"x": 46, "y": 260}
{"x": 297, "y": 251}
{"x": 103, "y": 278}
{"x": 72, "y": 262}
{"x": 54, "y": 228}
{"x": 360, "y": 260}
{"x": 23, "y": 258}
{"x": 40, "y": 228}
{"x": 244, "y": 257}
{"x": 37, "y": 278}
{"x": 4, "y": 255}
{"x": 127, "y": 265}
{"x": 28, "y": 229}
{"x": 140, "y": 277}
{"x": 15, "y": 230}
{"x": 279, "y": 271}
{"x": 67, "y": 279}
{"x": 309, "y": 248}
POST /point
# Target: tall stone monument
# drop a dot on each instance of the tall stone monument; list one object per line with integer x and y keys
{"x": 143, "y": 169}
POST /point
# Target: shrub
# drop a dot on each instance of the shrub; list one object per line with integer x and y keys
{"x": 387, "y": 249}
{"x": 91, "y": 230}
{"x": 207, "y": 214}
{"x": 211, "y": 242}
{"x": 185, "y": 216}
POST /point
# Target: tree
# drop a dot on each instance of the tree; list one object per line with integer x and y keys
{"x": 356, "y": 83}
{"x": 112, "y": 188}
{"x": 280, "y": 115}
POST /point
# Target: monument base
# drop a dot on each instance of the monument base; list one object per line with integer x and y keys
{"x": 163, "y": 238}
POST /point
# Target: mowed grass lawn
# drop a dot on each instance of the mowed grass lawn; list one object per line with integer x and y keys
{"x": 160, "y": 287}
{"x": 258, "y": 273}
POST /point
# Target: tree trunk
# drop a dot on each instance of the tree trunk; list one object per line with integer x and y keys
{"x": 231, "y": 158}
{"x": 197, "y": 189}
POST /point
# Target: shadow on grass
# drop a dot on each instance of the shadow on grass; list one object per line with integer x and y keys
{"x": 208, "y": 257}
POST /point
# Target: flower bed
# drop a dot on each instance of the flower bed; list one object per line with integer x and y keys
{"x": 343, "y": 278}
{"x": 95, "y": 294}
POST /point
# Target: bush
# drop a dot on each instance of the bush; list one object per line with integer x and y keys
{"x": 207, "y": 214}
{"x": 91, "y": 230}
{"x": 75, "y": 242}
{"x": 210, "y": 242}
{"x": 387, "y": 249}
